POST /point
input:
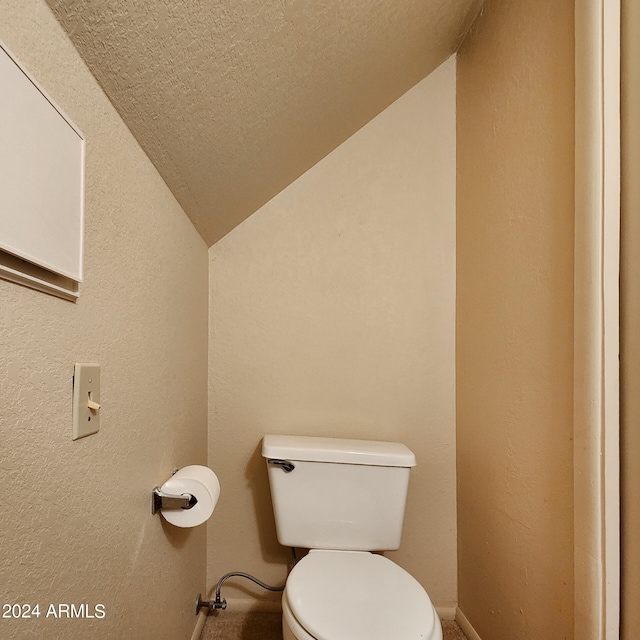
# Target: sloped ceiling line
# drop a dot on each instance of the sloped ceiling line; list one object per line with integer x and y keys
{"x": 234, "y": 100}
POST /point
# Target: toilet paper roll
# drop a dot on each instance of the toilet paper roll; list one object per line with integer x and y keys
{"x": 200, "y": 482}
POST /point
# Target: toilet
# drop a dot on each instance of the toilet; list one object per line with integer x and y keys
{"x": 344, "y": 500}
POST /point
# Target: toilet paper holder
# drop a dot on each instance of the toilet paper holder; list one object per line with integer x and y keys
{"x": 161, "y": 500}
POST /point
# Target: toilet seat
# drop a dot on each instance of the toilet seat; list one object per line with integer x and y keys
{"x": 357, "y": 595}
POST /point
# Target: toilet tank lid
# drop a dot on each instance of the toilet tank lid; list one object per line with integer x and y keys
{"x": 339, "y": 450}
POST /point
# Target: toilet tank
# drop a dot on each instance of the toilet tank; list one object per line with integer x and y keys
{"x": 330, "y": 493}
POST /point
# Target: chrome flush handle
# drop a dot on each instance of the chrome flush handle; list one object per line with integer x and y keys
{"x": 286, "y": 465}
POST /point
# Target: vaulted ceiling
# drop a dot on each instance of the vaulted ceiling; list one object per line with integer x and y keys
{"x": 232, "y": 100}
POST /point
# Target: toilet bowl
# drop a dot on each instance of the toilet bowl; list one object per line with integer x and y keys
{"x": 355, "y": 595}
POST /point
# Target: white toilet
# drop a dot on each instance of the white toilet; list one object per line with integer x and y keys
{"x": 344, "y": 499}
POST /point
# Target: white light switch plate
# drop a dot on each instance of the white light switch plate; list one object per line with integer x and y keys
{"x": 86, "y": 400}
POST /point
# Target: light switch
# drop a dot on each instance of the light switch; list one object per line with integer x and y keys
{"x": 86, "y": 400}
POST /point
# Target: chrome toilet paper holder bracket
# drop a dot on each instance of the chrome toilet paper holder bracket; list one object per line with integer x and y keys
{"x": 161, "y": 500}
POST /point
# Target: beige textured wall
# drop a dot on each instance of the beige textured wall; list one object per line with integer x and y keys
{"x": 515, "y": 320}
{"x": 629, "y": 325}
{"x": 75, "y": 525}
{"x": 332, "y": 313}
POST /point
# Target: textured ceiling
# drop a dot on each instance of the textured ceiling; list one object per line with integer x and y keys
{"x": 232, "y": 100}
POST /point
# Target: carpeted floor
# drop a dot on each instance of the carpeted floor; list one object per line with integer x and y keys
{"x": 226, "y": 625}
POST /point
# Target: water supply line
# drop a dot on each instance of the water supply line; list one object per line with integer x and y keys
{"x": 221, "y": 603}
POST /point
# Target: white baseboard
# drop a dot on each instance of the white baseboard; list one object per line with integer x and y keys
{"x": 446, "y": 612}
{"x": 466, "y": 627}
{"x": 246, "y": 605}
{"x": 238, "y": 605}
{"x": 200, "y": 622}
